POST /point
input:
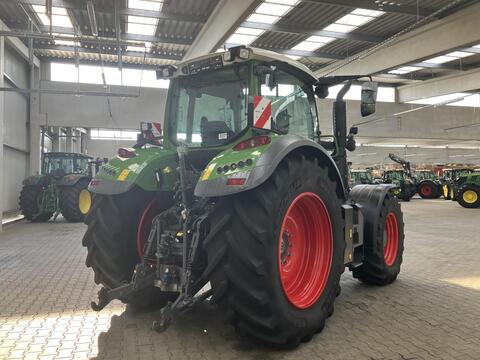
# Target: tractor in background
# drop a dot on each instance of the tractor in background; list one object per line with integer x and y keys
{"x": 403, "y": 180}
{"x": 450, "y": 176}
{"x": 466, "y": 190}
{"x": 358, "y": 177}
{"x": 60, "y": 188}
{"x": 242, "y": 191}
{"x": 428, "y": 184}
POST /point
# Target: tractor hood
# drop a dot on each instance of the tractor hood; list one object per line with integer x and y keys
{"x": 149, "y": 168}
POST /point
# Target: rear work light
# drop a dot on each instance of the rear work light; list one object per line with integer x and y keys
{"x": 252, "y": 143}
{"x": 236, "y": 181}
{"x": 126, "y": 153}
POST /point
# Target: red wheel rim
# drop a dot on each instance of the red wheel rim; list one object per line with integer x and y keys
{"x": 144, "y": 226}
{"x": 305, "y": 250}
{"x": 390, "y": 239}
{"x": 426, "y": 190}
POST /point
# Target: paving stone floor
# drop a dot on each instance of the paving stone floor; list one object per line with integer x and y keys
{"x": 431, "y": 312}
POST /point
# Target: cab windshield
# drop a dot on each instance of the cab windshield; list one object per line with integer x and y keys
{"x": 210, "y": 109}
{"x": 70, "y": 165}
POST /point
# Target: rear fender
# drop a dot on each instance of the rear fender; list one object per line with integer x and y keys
{"x": 120, "y": 175}
{"x": 265, "y": 160}
{"x": 371, "y": 198}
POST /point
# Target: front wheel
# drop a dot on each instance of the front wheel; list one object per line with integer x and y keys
{"x": 383, "y": 242}
{"x": 275, "y": 254}
{"x": 30, "y": 201}
{"x": 446, "y": 192}
{"x": 469, "y": 196}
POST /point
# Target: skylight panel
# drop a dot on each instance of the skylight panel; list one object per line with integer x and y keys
{"x": 405, "y": 70}
{"x": 272, "y": 9}
{"x": 440, "y": 59}
{"x": 59, "y": 16}
{"x": 459, "y": 54}
{"x": 264, "y": 19}
{"x": 154, "y": 5}
{"x": 307, "y": 46}
{"x": 141, "y": 25}
{"x": 437, "y": 100}
{"x": 285, "y": 2}
{"x": 355, "y": 20}
{"x": 320, "y": 39}
{"x": 340, "y": 28}
{"x": 366, "y": 12}
{"x": 241, "y": 39}
{"x": 249, "y": 31}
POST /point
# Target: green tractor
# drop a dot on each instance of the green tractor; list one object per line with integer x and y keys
{"x": 60, "y": 188}
{"x": 450, "y": 176}
{"x": 428, "y": 184}
{"x": 403, "y": 180}
{"x": 466, "y": 190}
{"x": 358, "y": 177}
{"x": 244, "y": 193}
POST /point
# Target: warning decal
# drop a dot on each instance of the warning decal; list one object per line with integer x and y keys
{"x": 262, "y": 112}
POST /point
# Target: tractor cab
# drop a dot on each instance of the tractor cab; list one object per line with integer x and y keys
{"x": 59, "y": 164}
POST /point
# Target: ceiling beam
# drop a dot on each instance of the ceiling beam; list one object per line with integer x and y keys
{"x": 82, "y": 50}
{"x": 224, "y": 19}
{"x": 456, "y": 83}
{"x": 371, "y": 5}
{"x": 452, "y": 32}
{"x": 81, "y": 5}
{"x": 128, "y": 36}
{"x": 294, "y": 29}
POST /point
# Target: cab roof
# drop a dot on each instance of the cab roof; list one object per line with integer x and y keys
{"x": 66, "y": 154}
{"x": 256, "y": 54}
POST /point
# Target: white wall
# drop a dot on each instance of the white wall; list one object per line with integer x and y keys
{"x": 106, "y": 148}
{"x": 15, "y": 135}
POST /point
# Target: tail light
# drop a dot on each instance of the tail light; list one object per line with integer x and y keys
{"x": 126, "y": 153}
{"x": 236, "y": 181}
{"x": 252, "y": 143}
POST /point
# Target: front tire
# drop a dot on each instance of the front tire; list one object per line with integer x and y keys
{"x": 111, "y": 241}
{"x": 469, "y": 196}
{"x": 249, "y": 256}
{"x": 383, "y": 245}
{"x": 29, "y": 199}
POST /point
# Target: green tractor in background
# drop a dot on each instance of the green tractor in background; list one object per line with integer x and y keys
{"x": 466, "y": 190}
{"x": 428, "y": 184}
{"x": 403, "y": 180}
{"x": 243, "y": 192}
{"x": 358, "y": 177}
{"x": 60, "y": 188}
{"x": 450, "y": 176}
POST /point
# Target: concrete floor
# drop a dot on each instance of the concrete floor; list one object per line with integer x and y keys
{"x": 431, "y": 312}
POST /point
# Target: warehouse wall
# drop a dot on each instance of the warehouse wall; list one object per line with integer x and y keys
{"x": 106, "y": 148}
{"x": 15, "y": 131}
{"x": 93, "y": 112}
{"x": 89, "y": 111}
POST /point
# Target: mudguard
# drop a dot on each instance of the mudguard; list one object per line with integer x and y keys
{"x": 264, "y": 161}
{"x": 151, "y": 169}
{"x": 370, "y": 197}
{"x": 32, "y": 180}
{"x": 70, "y": 180}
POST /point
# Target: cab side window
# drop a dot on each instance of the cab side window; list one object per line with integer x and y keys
{"x": 292, "y": 110}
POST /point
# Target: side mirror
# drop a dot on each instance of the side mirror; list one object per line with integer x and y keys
{"x": 369, "y": 98}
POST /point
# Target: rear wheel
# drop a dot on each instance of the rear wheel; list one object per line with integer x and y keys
{"x": 76, "y": 201}
{"x": 275, "y": 254}
{"x": 383, "y": 245}
{"x": 428, "y": 190}
{"x": 30, "y": 197}
{"x": 111, "y": 240}
{"x": 469, "y": 196}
